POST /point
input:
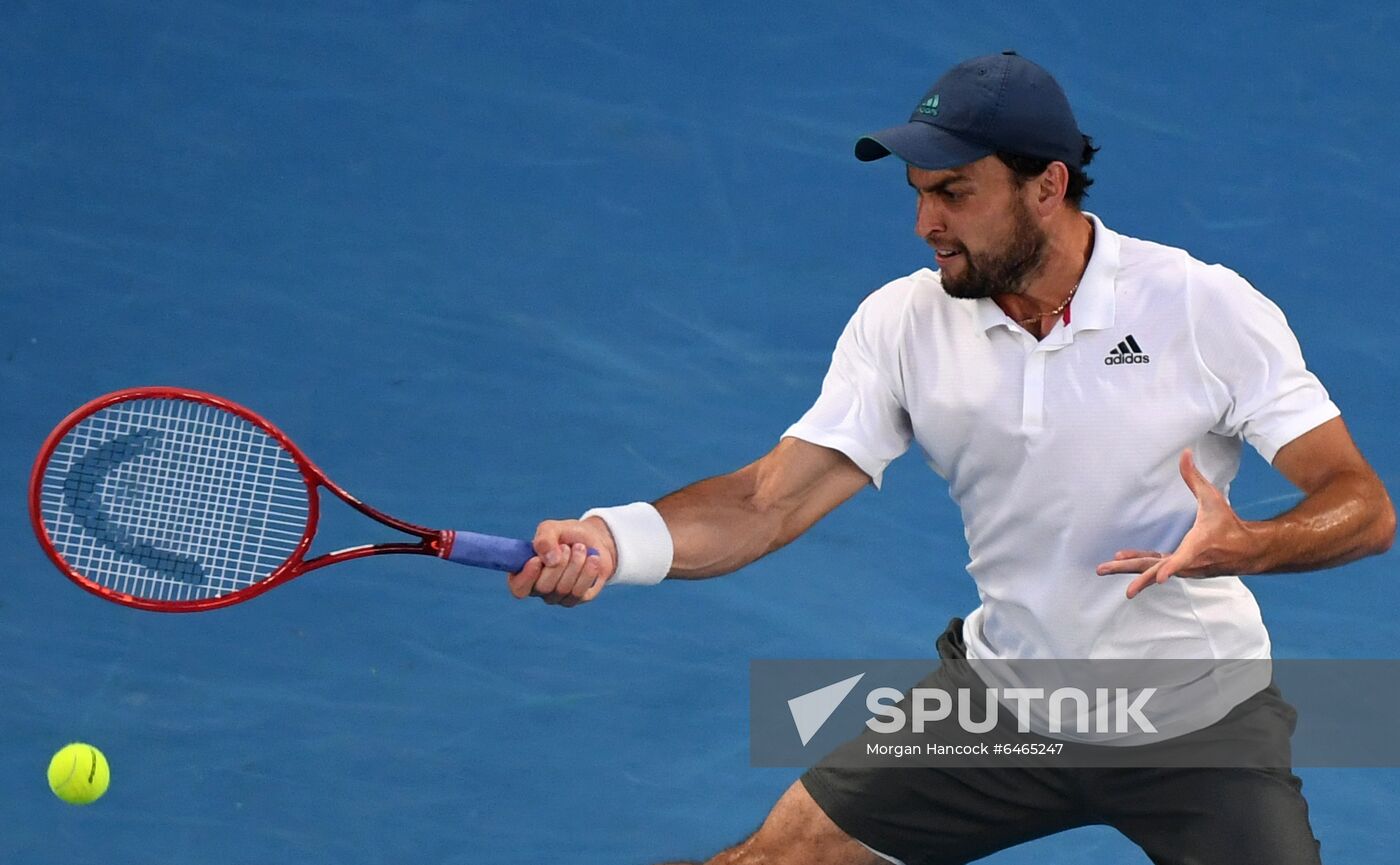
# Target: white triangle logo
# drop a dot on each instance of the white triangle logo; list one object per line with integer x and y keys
{"x": 811, "y": 710}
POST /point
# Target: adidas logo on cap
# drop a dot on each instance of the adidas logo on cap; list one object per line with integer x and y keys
{"x": 1127, "y": 351}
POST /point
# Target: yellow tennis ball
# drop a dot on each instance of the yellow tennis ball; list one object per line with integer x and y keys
{"x": 78, "y": 774}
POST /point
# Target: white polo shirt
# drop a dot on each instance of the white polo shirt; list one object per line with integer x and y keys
{"x": 1062, "y": 451}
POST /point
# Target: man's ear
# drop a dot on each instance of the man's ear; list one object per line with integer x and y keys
{"x": 1050, "y": 188}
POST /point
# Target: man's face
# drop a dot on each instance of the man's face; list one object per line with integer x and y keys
{"x": 977, "y": 220}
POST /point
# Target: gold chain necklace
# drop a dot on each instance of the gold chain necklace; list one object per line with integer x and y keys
{"x": 1056, "y": 311}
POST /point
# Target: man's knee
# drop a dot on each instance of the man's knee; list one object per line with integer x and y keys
{"x": 797, "y": 831}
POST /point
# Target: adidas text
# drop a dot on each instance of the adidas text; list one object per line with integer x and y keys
{"x": 1127, "y": 351}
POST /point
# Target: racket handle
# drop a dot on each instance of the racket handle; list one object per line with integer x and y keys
{"x": 489, "y": 551}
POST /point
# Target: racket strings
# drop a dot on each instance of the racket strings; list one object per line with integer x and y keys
{"x": 173, "y": 500}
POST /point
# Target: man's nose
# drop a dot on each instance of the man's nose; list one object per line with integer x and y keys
{"x": 929, "y": 217}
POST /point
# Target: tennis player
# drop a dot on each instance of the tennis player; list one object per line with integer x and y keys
{"x": 1086, "y": 396}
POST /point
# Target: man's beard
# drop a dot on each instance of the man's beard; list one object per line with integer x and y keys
{"x": 1003, "y": 271}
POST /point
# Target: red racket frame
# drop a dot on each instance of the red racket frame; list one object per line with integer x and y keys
{"x": 433, "y": 542}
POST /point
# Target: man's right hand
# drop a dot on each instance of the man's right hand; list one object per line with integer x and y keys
{"x": 562, "y": 572}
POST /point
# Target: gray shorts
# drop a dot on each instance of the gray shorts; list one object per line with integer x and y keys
{"x": 1182, "y": 816}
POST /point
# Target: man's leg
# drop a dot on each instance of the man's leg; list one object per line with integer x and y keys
{"x": 1184, "y": 815}
{"x": 1211, "y": 816}
{"x": 797, "y": 832}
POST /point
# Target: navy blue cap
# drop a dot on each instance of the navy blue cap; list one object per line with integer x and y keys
{"x": 1001, "y": 102}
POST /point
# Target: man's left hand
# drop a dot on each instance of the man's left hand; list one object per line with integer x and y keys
{"x": 1218, "y": 544}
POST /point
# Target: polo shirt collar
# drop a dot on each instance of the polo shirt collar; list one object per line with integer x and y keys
{"x": 1093, "y": 304}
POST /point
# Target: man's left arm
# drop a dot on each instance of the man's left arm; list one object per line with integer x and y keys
{"x": 1345, "y": 515}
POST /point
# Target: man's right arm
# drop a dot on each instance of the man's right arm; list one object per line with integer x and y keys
{"x": 717, "y": 525}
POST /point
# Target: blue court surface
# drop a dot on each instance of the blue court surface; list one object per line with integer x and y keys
{"x": 499, "y": 261}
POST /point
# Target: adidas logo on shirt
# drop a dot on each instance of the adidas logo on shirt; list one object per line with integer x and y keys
{"x": 1128, "y": 351}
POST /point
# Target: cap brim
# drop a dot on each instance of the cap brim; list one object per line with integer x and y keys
{"x": 922, "y": 145}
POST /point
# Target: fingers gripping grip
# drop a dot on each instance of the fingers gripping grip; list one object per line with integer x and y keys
{"x": 489, "y": 551}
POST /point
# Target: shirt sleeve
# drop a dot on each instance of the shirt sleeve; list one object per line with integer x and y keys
{"x": 1255, "y": 366}
{"x": 858, "y": 412}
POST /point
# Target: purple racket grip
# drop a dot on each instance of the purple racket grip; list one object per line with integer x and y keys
{"x": 491, "y": 551}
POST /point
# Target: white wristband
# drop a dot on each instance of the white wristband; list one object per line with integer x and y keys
{"x": 643, "y": 543}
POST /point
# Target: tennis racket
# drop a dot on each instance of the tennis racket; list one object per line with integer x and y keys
{"x": 179, "y": 501}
